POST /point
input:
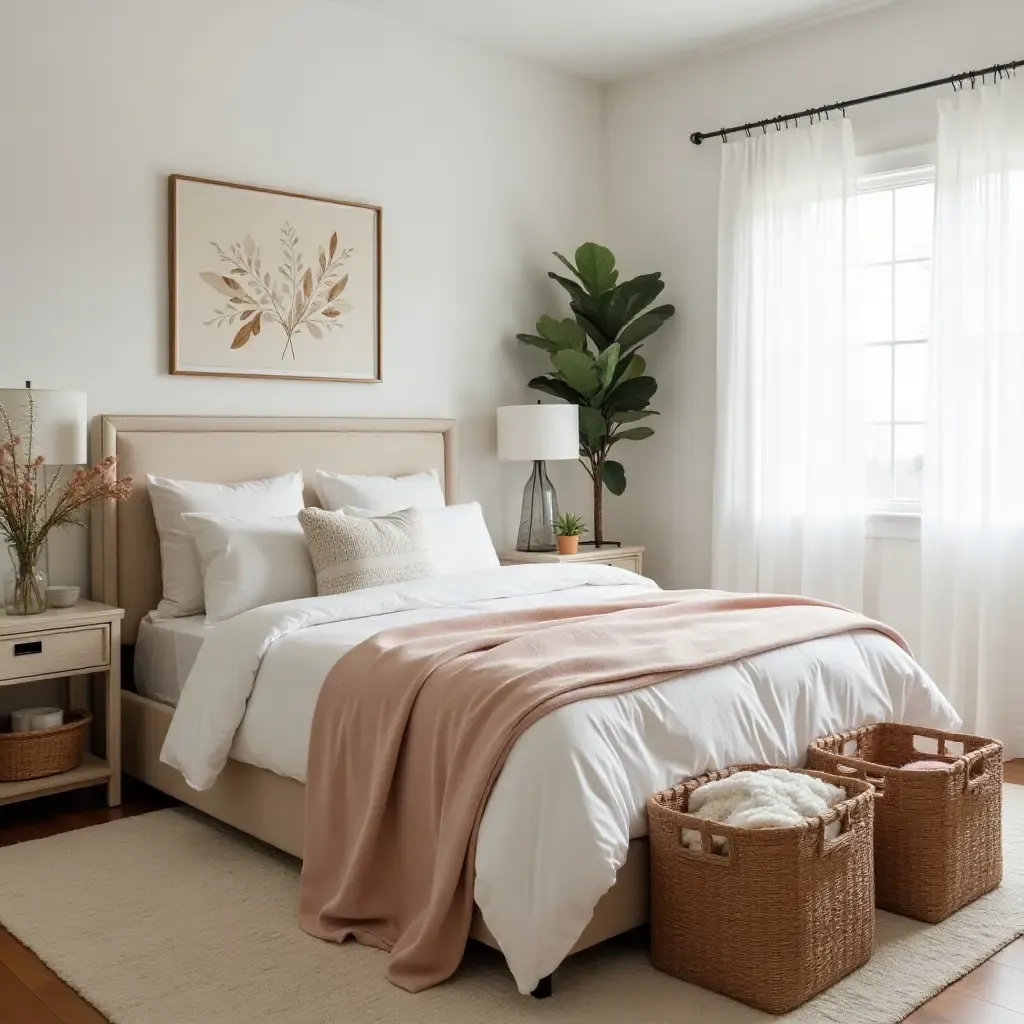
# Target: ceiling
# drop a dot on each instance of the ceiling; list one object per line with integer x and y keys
{"x": 607, "y": 39}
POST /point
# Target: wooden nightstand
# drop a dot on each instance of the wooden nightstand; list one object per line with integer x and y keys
{"x": 626, "y": 557}
{"x": 82, "y": 640}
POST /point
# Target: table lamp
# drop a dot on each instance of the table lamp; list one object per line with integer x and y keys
{"x": 59, "y": 433}
{"x": 536, "y": 433}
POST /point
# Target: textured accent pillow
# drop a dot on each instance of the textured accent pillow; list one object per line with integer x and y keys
{"x": 379, "y": 494}
{"x": 351, "y": 554}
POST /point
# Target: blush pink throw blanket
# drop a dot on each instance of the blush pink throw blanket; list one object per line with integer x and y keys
{"x": 414, "y": 724}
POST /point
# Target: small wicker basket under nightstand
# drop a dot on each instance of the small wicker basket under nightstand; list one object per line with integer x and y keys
{"x": 36, "y": 755}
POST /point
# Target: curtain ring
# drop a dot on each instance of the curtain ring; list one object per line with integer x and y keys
{"x": 764, "y": 129}
{"x": 827, "y": 115}
{"x": 973, "y": 82}
{"x": 746, "y": 128}
{"x": 724, "y": 139}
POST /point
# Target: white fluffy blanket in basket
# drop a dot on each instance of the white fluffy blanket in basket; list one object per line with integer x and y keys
{"x": 775, "y": 798}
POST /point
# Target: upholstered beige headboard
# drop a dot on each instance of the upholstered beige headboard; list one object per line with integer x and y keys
{"x": 125, "y": 550}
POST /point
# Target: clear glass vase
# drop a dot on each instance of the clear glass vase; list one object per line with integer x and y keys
{"x": 24, "y": 586}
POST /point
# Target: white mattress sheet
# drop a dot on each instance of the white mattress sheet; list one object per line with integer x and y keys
{"x": 165, "y": 651}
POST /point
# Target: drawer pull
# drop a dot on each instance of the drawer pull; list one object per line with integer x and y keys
{"x": 28, "y": 647}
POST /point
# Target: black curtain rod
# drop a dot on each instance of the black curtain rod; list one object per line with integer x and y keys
{"x": 995, "y": 70}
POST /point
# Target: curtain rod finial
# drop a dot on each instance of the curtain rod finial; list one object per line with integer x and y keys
{"x": 696, "y": 138}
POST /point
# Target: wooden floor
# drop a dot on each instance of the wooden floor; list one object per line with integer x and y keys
{"x": 30, "y": 993}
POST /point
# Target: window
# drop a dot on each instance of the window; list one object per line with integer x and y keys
{"x": 896, "y": 212}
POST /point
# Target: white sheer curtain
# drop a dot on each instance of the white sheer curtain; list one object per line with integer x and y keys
{"x": 789, "y": 467}
{"x": 972, "y": 511}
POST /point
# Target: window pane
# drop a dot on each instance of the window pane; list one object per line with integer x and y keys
{"x": 876, "y": 307}
{"x": 878, "y": 383}
{"x": 915, "y": 212}
{"x": 911, "y": 393}
{"x": 874, "y": 215}
{"x": 909, "y": 444}
{"x": 913, "y": 300}
{"x": 880, "y": 463}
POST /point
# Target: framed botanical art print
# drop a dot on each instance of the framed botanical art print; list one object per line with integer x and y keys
{"x": 273, "y": 284}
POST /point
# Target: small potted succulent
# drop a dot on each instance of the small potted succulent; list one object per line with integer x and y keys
{"x": 568, "y": 527}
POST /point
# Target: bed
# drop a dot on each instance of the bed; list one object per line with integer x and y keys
{"x": 841, "y": 682}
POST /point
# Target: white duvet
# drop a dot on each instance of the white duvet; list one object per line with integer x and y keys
{"x": 573, "y": 791}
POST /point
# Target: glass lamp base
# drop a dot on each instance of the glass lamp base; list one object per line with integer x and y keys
{"x": 540, "y": 510}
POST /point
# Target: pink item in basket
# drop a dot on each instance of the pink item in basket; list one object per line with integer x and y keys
{"x": 926, "y": 766}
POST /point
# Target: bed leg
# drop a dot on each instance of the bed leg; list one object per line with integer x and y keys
{"x": 543, "y": 989}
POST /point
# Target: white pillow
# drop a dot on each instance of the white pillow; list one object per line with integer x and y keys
{"x": 250, "y": 562}
{"x": 379, "y": 494}
{"x": 456, "y": 534}
{"x": 182, "y": 570}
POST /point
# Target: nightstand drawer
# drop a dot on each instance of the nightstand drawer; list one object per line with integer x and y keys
{"x": 25, "y": 655}
{"x": 630, "y": 562}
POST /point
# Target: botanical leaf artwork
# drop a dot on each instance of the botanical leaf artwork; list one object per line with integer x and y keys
{"x": 297, "y": 297}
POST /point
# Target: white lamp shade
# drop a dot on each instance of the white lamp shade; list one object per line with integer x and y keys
{"x": 531, "y": 433}
{"x": 59, "y": 434}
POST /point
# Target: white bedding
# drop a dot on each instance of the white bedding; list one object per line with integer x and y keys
{"x": 573, "y": 791}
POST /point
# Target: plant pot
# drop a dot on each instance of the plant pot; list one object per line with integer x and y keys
{"x": 568, "y": 545}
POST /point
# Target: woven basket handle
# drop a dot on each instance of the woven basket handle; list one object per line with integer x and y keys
{"x": 973, "y": 779}
{"x": 843, "y": 841}
{"x": 707, "y": 832}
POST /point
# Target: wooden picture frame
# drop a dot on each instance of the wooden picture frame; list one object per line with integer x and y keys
{"x": 273, "y": 284}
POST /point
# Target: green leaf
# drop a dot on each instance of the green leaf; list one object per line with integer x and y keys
{"x": 578, "y": 369}
{"x": 636, "y": 367}
{"x": 574, "y": 290}
{"x": 632, "y": 417}
{"x": 614, "y": 476}
{"x": 593, "y": 426}
{"x": 590, "y": 328}
{"x": 633, "y": 434}
{"x": 644, "y": 326}
{"x": 630, "y": 298}
{"x": 555, "y": 386}
{"x": 559, "y": 256}
{"x": 596, "y": 267}
{"x": 563, "y": 333}
{"x": 631, "y": 395}
{"x": 543, "y": 343}
{"x": 607, "y": 362}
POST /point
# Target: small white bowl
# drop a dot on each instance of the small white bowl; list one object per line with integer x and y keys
{"x": 61, "y": 597}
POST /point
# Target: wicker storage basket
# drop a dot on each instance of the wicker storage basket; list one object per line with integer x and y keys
{"x": 938, "y": 834}
{"x": 33, "y": 755}
{"x": 780, "y": 916}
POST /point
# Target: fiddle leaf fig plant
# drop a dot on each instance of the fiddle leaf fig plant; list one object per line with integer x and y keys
{"x": 597, "y": 363}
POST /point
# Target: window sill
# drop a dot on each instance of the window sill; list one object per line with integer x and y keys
{"x": 893, "y": 526}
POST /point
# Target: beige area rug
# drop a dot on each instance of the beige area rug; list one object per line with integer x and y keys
{"x": 169, "y": 918}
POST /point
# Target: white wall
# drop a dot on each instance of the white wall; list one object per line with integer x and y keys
{"x": 483, "y": 164}
{"x": 663, "y": 214}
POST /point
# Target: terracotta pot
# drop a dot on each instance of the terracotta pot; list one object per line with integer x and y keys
{"x": 568, "y": 545}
